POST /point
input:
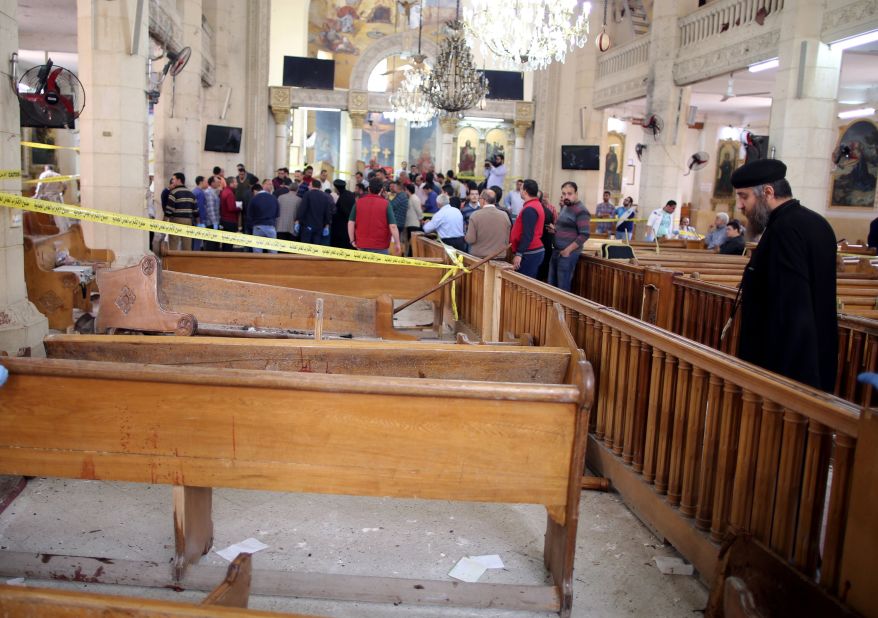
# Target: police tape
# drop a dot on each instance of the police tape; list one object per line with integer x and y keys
{"x": 615, "y": 219}
{"x": 48, "y": 146}
{"x": 208, "y": 234}
{"x": 49, "y": 179}
{"x": 9, "y": 174}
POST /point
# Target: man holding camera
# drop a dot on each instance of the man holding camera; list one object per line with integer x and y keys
{"x": 495, "y": 172}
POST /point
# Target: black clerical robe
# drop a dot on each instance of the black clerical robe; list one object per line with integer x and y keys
{"x": 789, "y": 321}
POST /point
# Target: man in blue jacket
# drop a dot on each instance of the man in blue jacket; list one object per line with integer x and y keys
{"x": 263, "y": 212}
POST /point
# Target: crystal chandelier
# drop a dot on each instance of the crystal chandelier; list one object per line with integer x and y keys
{"x": 455, "y": 84}
{"x": 409, "y": 102}
{"x": 528, "y": 34}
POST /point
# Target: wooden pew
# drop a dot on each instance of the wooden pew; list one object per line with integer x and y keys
{"x": 144, "y": 298}
{"x": 442, "y": 439}
{"x": 56, "y": 294}
{"x": 360, "y": 279}
{"x": 229, "y": 599}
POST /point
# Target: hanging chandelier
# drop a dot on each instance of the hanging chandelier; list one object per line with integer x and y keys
{"x": 528, "y": 34}
{"x": 409, "y": 102}
{"x": 455, "y": 84}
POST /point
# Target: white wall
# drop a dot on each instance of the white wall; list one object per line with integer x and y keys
{"x": 289, "y": 35}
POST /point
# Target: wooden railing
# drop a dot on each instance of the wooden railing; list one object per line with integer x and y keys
{"x": 691, "y": 435}
{"x": 723, "y": 16}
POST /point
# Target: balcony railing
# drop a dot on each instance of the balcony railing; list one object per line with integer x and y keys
{"x": 624, "y": 57}
{"x": 723, "y": 16}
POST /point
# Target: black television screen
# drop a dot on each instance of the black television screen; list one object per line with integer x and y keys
{"x": 222, "y": 139}
{"x": 309, "y": 72}
{"x": 505, "y": 85}
{"x": 580, "y": 157}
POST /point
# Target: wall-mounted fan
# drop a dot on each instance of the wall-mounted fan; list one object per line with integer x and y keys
{"x": 697, "y": 161}
{"x": 655, "y": 124}
{"x": 638, "y": 150}
{"x": 730, "y": 91}
{"x": 50, "y": 96}
{"x": 176, "y": 62}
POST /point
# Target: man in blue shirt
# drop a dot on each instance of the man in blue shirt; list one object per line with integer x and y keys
{"x": 264, "y": 210}
{"x": 448, "y": 225}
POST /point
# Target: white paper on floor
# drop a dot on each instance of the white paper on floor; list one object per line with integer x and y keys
{"x": 249, "y": 546}
{"x": 491, "y": 561}
{"x": 672, "y": 566}
{"x": 467, "y": 570}
{"x": 16, "y": 581}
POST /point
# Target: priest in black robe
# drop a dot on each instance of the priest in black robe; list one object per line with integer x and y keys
{"x": 789, "y": 321}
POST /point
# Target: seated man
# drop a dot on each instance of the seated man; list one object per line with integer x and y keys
{"x": 734, "y": 244}
{"x": 716, "y": 235}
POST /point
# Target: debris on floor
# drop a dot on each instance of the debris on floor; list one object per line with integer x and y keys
{"x": 248, "y": 546}
{"x": 670, "y": 565}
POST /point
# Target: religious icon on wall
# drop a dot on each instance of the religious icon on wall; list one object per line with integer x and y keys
{"x": 422, "y": 145}
{"x": 726, "y": 163}
{"x": 379, "y": 136}
{"x": 468, "y": 148}
{"x": 613, "y": 163}
{"x": 495, "y": 144}
{"x": 327, "y": 140}
{"x": 855, "y": 165}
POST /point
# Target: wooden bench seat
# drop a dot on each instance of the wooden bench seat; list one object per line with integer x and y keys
{"x": 383, "y": 436}
{"x": 56, "y": 294}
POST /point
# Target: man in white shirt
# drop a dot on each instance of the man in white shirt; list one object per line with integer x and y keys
{"x": 325, "y": 184}
{"x": 53, "y": 192}
{"x": 497, "y": 173}
{"x": 448, "y": 225}
{"x": 661, "y": 222}
{"x": 513, "y": 200}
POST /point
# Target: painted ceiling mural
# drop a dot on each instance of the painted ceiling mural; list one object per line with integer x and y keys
{"x": 343, "y": 29}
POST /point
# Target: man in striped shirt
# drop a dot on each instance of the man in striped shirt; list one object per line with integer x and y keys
{"x": 181, "y": 208}
{"x": 571, "y": 232}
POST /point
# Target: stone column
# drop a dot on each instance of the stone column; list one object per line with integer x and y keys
{"x": 113, "y": 126}
{"x": 524, "y": 119}
{"x": 178, "y": 131}
{"x": 445, "y": 155}
{"x": 802, "y": 128}
{"x": 280, "y": 109}
{"x": 21, "y": 325}
{"x": 358, "y": 107}
{"x": 664, "y": 158}
{"x": 256, "y": 139}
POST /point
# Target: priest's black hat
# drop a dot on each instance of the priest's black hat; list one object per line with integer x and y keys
{"x": 757, "y": 173}
{"x": 339, "y": 183}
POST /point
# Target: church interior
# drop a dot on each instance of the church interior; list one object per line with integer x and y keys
{"x": 248, "y": 423}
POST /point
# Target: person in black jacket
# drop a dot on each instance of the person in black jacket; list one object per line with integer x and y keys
{"x": 734, "y": 243}
{"x": 788, "y": 292}
{"x": 314, "y": 215}
{"x": 339, "y": 231}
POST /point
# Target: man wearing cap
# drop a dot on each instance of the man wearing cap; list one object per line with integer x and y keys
{"x": 788, "y": 291}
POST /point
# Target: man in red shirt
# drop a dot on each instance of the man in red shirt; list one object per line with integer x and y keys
{"x": 372, "y": 224}
{"x": 527, "y": 232}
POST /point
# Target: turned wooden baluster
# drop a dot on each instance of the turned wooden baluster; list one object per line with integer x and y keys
{"x": 605, "y": 372}
{"x": 789, "y": 482}
{"x": 635, "y": 454}
{"x": 765, "y": 482}
{"x": 623, "y": 393}
{"x": 652, "y": 416}
{"x": 745, "y": 468}
{"x": 842, "y": 367}
{"x": 666, "y": 421}
{"x": 625, "y": 428}
{"x": 855, "y": 359}
{"x": 833, "y": 544}
{"x": 813, "y": 497}
{"x": 612, "y": 389}
{"x": 725, "y": 463}
{"x": 694, "y": 438}
{"x": 678, "y": 437}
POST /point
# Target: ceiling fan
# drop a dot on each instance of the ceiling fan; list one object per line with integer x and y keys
{"x": 730, "y": 91}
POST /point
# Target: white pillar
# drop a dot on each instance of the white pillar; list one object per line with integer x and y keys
{"x": 281, "y": 97}
{"x": 803, "y": 123}
{"x": 178, "y": 132}
{"x": 113, "y": 125}
{"x": 520, "y": 133}
{"x": 445, "y": 155}
{"x": 21, "y": 325}
{"x": 357, "y": 121}
{"x": 664, "y": 156}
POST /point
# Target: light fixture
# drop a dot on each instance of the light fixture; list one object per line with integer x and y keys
{"x": 320, "y": 109}
{"x": 855, "y": 41}
{"x": 409, "y": 102}
{"x": 764, "y": 66}
{"x": 857, "y": 113}
{"x": 455, "y": 85}
{"x": 603, "y": 39}
{"x": 528, "y": 34}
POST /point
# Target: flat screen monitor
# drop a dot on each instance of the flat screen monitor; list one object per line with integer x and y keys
{"x": 507, "y": 85}
{"x": 222, "y": 139}
{"x": 309, "y": 72}
{"x": 580, "y": 157}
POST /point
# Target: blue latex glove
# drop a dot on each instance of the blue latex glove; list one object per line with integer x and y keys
{"x": 201, "y": 225}
{"x": 326, "y": 231}
{"x": 868, "y": 378}
{"x": 216, "y": 226}
{"x": 4, "y": 373}
{"x": 296, "y": 229}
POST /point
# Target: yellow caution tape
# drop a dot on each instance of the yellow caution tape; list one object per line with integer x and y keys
{"x": 48, "y": 146}
{"x": 6, "y": 174}
{"x": 49, "y": 179}
{"x": 456, "y": 259}
{"x": 190, "y": 231}
{"x": 614, "y": 219}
